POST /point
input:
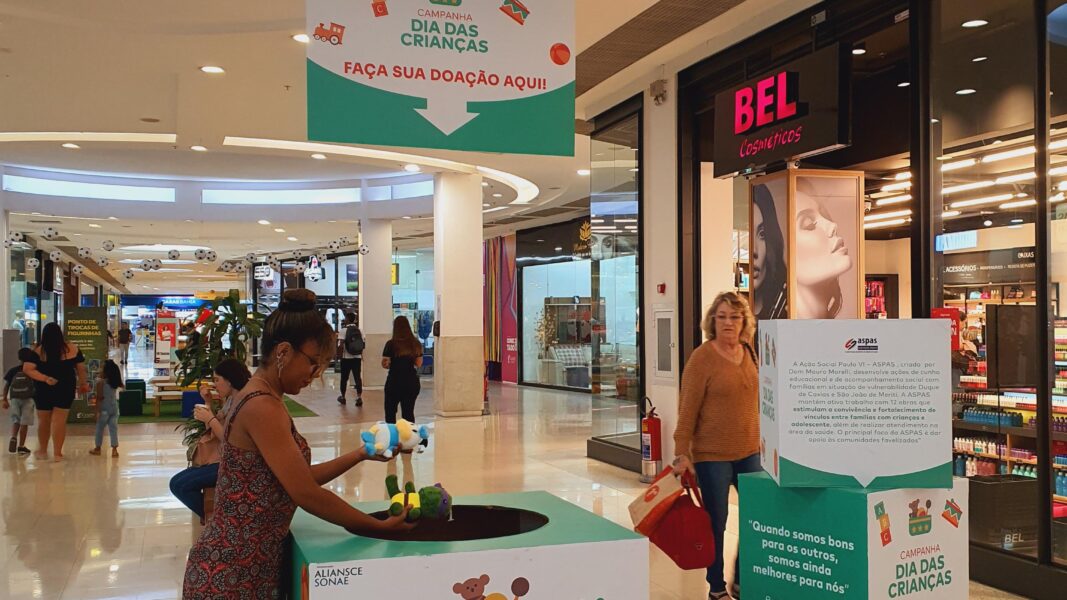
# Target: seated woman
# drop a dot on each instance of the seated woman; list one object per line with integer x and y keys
{"x": 188, "y": 485}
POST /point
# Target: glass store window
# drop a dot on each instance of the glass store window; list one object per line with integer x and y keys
{"x": 615, "y": 340}
{"x": 413, "y": 295}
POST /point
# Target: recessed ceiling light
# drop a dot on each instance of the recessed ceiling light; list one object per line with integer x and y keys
{"x": 904, "y": 84}
{"x": 412, "y": 168}
{"x": 559, "y": 248}
{"x": 965, "y": 91}
{"x": 583, "y": 172}
{"x": 291, "y": 238}
{"x": 318, "y": 156}
{"x": 263, "y": 222}
{"x": 1016, "y": 220}
{"x": 198, "y": 148}
{"x": 486, "y": 205}
{"x": 975, "y": 23}
{"x": 980, "y": 59}
{"x": 302, "y": 38}
{"x": 94, "y": 225}
{"x": 859, "y": 49}
{"x": 987, "y": 223}
{"x": 279, "y": 230}
{"x": 71, "y": 146}
{"x": 112, "y": 218}
{"x": 485, "y": 184}
{"x": 212, "y": 69}
{"x": 405, "y": 217}
{"x": 498, "y": 195}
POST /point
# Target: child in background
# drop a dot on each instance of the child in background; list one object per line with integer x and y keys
{"x": 18, "y": 396}
{"x": 108, "y": 384}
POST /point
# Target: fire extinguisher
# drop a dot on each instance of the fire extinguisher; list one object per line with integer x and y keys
{"x": 651, "y": 448}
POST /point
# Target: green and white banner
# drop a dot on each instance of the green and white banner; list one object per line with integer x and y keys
{"x": 853, "y": 544}
{"x": 856, "y": 403}
{"x": 87, "y": 327}
{"x": 480, "y": 75}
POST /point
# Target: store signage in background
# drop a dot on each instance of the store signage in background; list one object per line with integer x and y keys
{"x": 856, "y": 403}
{"x": 87, "y": 327}
{"x": 491, "y": 76}
{"x": 1010, "y": 265}
{"x": 263, "y": 273}
{"x": 179, "y": 302}
{"x": 798, "y": 110}
{"x": 959, "y": 240}
{"x": 953, "y": 316}
{"x": 395, "y": 274}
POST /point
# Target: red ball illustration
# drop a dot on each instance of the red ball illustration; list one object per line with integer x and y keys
{"x": 560, "y": 54}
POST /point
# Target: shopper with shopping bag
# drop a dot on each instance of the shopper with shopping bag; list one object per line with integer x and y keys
{"x": 648, "y": 509}
{"x": 717, "y": 437}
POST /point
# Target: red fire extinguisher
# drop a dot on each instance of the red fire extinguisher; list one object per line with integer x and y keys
{"x": 651, "y": 448}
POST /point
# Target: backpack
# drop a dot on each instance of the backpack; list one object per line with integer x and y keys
{"x": 21, "y": 387}
{"x": 354, "y": 343}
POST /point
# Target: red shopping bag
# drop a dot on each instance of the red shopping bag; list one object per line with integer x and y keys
{"x": 684, "y": 532}
{"x": 647, "y": 510}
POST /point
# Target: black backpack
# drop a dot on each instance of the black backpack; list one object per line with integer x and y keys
{"x": 21, "y": 386}
{"x": 354, "y": 343}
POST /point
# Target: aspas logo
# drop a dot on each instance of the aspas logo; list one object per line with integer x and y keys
{"x": 861, "y": 345}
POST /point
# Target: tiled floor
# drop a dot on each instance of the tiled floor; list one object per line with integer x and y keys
{"x": 95, "y": 527}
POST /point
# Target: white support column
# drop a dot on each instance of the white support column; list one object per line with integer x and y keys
{"x": 375, "y": 296}
{"x": 459, "y": 362}
{"x": 6, "y": 318}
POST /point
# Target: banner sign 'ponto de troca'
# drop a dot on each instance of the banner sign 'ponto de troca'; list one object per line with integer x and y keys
{"x": 483, "y": 75}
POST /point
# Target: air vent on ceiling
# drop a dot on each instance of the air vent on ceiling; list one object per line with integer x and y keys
{"x": 46, "y": 221}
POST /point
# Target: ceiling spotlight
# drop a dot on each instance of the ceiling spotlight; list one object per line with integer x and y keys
{"x": 584, "y": 172}
{"x": 279, "y": 230}
{"x": 980, "y": 59}
{"x": 485, "y": 184}
{"x": 498, "y": 195}
{"x": 318, "y": 156}
{"x": 1016, "y": 220}
{"x": 198, "y": 148}
{"x": 302, "y": 38}
{"x": 412, "y": 168}
{"x": 486, "y": 205}
{"x": 559, "y": 248}
{"x": 965, "y": 91}
{"x": 263, "y": 222}
{"x": 973, "y": 23}
{"x": 987, "y": 223}
{"x": 71, "y": 146}
{"x": 950, "y": 213}
{"x": 291, "y": 238}
{"x": 904, "y": 84}
{"x": 212, "y": 69}
{"x": 406, "y": 218}
{"x": 859, "y": 49}
{"x": 94, "y": 225}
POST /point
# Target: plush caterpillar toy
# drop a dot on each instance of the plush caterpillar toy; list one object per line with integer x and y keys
{"x": 431, "y": 502}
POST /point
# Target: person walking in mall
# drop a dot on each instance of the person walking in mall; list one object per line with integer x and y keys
{"x": 717, "y": 437}
{"x": 188, "y": 485}
{"x": 108, "y": 384}
{"x": 352, "y": 345}
{"x": 124, "y": 339}
{"x": 403, "y": 357}
{"x": 58, "y": 367}
{"x": 266, "y": 469}
{"x": 18, "y": 398}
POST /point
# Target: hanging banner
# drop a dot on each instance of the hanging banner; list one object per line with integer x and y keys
{"x": 509, "y": 312}
{"x": 486, "y": 75}
{"x": 87, "y": 327}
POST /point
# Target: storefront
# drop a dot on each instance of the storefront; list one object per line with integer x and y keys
{"x": 888, "y": 159}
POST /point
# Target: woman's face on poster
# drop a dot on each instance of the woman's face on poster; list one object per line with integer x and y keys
{"x": 821, "y": 254}
{"x": 759, "y": 246}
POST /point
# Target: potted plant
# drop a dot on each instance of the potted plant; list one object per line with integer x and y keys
{"x": 224, "y": 319}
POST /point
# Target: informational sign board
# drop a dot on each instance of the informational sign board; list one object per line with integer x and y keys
{"x": 166, "y": 335}
{"x": 87, "y": 327}
{"x": 480, "y": 75}
{"x": 815, "y": 544}
{"x": 394, "y": 274}
{"x": 798, "y": 110}
{"x": 856, "y": 403}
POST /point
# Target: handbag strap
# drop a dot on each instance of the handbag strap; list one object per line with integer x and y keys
{"x": 689, "y": 482}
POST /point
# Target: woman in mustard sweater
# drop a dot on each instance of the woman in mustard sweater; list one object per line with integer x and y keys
{"x": 717, "y": 437}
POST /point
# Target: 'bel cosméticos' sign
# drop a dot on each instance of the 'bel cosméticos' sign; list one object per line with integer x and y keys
{"x": 798, "y": 110}
{"x": 479, "y": 75}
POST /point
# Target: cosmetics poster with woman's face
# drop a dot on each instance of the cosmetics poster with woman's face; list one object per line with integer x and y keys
{"x": 826, "y": 237}
{"x": 769, "y": 248}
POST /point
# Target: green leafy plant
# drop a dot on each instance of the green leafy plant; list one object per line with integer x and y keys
{"x": 224, "y": 318}
{"x": 192, "y": 430}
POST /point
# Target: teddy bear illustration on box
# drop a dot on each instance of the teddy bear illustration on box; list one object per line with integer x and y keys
{"x": 474, "y": 589}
